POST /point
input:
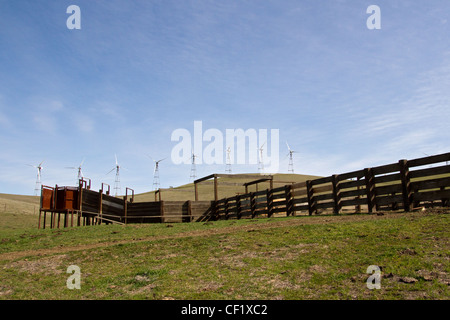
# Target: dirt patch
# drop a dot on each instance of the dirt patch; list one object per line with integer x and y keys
{"x": 318, "y": 269}
{"x": 47, "y": 265}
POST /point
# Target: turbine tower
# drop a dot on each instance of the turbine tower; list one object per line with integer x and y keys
{"x": 117, "y": 179}
{"x": 80, "y": 172}
{"x": 291, "y": 159}
{"x": 261, "y": 162}
{"x": 37, "y": 187}
{"x": 156, "y": 174}
{"x": 228, "y": 165}
{"x": 193, "y": 168}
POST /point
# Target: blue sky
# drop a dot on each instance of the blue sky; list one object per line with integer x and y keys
{"x": 343, "y": 96}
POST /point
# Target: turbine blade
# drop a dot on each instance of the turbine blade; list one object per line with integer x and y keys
{"x": 288, "y": 146}
{"x": 111, "y": 170}
{"x": 82, "y": 162}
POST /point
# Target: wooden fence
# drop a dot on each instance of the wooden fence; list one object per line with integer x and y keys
{"x": 397, "y": 186}
{"x": 403, "y": 185}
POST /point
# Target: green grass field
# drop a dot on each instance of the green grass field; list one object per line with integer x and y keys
{"x": 318, "y": 257}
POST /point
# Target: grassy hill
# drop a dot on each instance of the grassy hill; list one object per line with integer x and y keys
{"x": 19, "y": 203}
{"x": 227, "y": 187}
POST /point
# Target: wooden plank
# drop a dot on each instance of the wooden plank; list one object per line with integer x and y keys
{"x": 298, "y": 192}
{"x": 388, "y": 178}
{"x": 432, "y": 195}
{"x": 279, "y": 189}
{"x": 260, "y": 193}
{"x": 388, "y": 168}
{"x": 429, "y": 160}
{"x": 353, "y": 193}
{"x": 280, "y": 204}
{"x": 384, "y": 200}
{"x": 278, "y": 196}
{"x": 261, "y": 205}
{"x": 396, "y": 188}
{"x": 430, "y": 184}
{"x": 353, "y": 202}
{"x": 328, "y": 196}
{"x": 350, "y": 175}
{"x": 352, "y": 184}
{"x": 323, "y": 189}
{"x": 429, "y": 172}
{"x": 301, "y": 207}
{"x": 325, "y": 205}
{"x": 204, "y": 178}
{"x": 279, "y": 209}
{"x": 261, "y": 200}
{"x": 301, "y": 199}
{"x": 299, "y": 185}
{"x": 321, "y": 180}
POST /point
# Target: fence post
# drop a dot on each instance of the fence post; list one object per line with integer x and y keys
{"x": 269, "y": 202}
{"x": 40, "y": 207}
{"x": 195, "y": 191}
{"x": 189, "y": 210}
{"x": 161, "y": 207}
{"x": 406, "y": 185}
{"x": 253, "y": 204}
{"x": 238, "y": 207}
{"x": 40, "y": 214}
{"x": 125, "y": 208}
{"x": 370, "y": 188}
{"x": 445, "y": 202}
{"x": 358, "y": 206}
{"x": 214, "y": 211}
{"x": 336, "y": 194}
{"x": 310, "y": 194}
{"x": 289, "y": 204}
{"x": 100, "y": 204}
{"x": 226, "y": 208}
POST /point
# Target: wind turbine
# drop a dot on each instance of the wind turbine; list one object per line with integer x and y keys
{"x": 117, "y": 179}
{"x": 291, "y": 159}
{"x": 193, "y": 168}
{"x": 37, "y": 187}
{"x": 228, "y": 165}
{"x": 156, "y": 173}
{"x": 80, "y": 172}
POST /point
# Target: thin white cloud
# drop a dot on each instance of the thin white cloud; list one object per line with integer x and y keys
{"x": 83, "y": 123}
{"x": 46, "y": 114}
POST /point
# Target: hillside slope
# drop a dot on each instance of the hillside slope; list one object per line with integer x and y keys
{"x": 227, "y": 187}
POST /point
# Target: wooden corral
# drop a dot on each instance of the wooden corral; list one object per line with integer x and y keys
{"x": 403, "y": 185}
